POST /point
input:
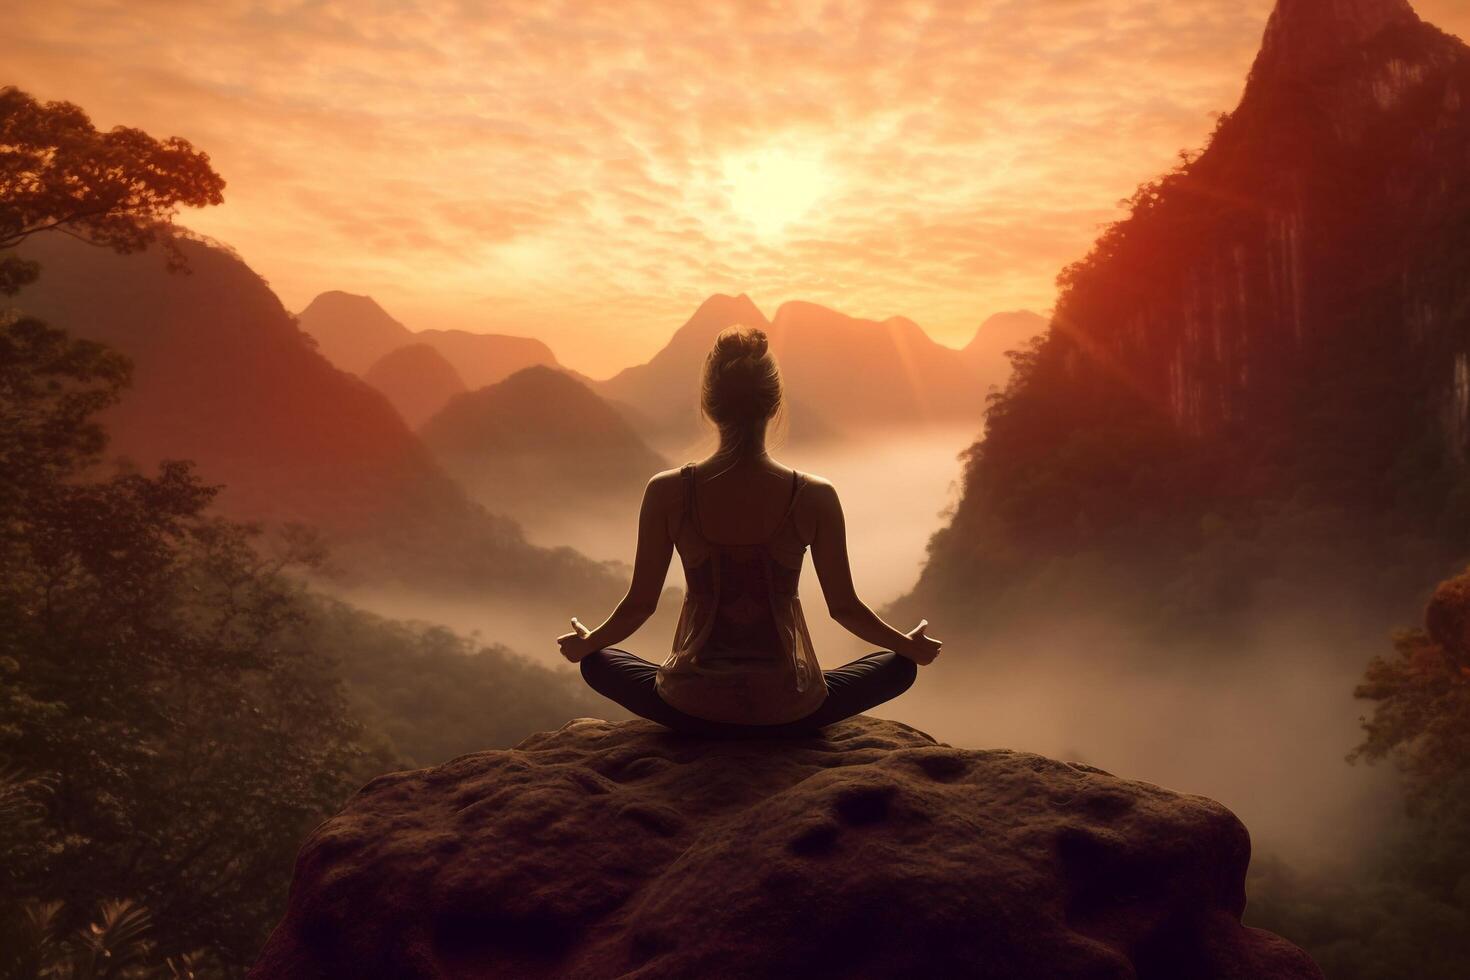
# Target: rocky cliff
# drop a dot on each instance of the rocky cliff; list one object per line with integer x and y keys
{"x": 604, "y": 850}
{"x": 1312, "y": 220}
{"x": 1282, "y": 319}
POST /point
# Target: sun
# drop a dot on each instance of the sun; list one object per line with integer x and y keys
{"x": 771, "y": 188}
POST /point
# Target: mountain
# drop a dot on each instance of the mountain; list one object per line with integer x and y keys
{"x": 1264, "y": 371}
{"x": 665, "y": 391}
{"x": 844, "y": 375}
{"x": 354, "y": 332}
{"x": 539, "y": 444}
{"x": 1001, "y": 333}
{"x": 1304, "y": 37}
{"x": 224, "y": 377}
{"x": 865, "y": 374}
{"x": 416, "y": 379}
{"x": 485, "y": 358}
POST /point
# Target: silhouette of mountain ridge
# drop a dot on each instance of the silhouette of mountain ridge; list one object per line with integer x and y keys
{"x": 1278, "y": 327}
{"x": 354, "y": 332}
{"x": 865, "y": 373}
{"x": 844, "y": 375}
{"x": 1302, "y": 36}
{"x": 665, "y": 390}
{"x": 417, "y": 379}
{"x": 224, "y": 376}
{"x": 541, "y": 443}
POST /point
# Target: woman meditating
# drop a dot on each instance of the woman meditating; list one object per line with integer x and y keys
{"x": 742, "y": 663}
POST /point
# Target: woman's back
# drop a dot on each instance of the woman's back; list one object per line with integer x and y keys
{"x": 742, "y": 506}
{"x": 744, "y": 502}
{"x": 741, "y": 648}
{"x": 742, "y": 658}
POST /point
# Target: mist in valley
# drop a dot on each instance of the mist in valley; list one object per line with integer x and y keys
{"x": 1264, "y": 729}
{"x": 895, "y": 492}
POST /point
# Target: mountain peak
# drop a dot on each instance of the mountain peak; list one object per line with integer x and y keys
{"x": 341, "y": 299}
{"x": 1303, "y": 35}
{"x": 352, "y": 331}
{"x": 1014, "y": 327}
{"x": 729, "y": 311}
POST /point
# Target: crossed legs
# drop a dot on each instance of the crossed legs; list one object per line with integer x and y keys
{"x": 852, "y": 689}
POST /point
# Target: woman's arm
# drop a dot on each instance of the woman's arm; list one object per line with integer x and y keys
{"x": 829, "y": 557}
{"x": 650, "y": 567}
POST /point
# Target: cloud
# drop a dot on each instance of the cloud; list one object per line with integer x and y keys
{"x": 562, "y": 168}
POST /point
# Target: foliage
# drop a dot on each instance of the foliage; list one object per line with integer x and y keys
{"x": 176, "y": 710}
{"x": 1364, "y": 923}
{"x": 433, "y": 694}
{"x": 119, "y": 189}
{"x": 1408, "y": 912}
{"x": 51, "y": 389}
{"x": 114, "y": 945}
{"x": 157, "y": 675}
{"x": 173, "y": 717}
{"x": 1421, "y": 721}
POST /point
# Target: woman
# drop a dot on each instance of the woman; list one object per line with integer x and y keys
{"x": 742, "y": 663}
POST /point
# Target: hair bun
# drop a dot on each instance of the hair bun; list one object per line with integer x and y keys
{"x": 734, "y": 343}
{"x": 742, "y": 384}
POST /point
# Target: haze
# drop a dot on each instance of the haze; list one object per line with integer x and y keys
{"x": 1264, "y": 733}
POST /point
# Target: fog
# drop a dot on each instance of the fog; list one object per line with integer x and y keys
{"x": 1265, "y": 731}
{"x": 894, "y": 490}
{"x": 1264, "y": 728}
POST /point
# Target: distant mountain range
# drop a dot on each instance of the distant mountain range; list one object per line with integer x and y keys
{"x": 664, "y": 392}
{"x": 541, "y": 443}
{"x": 224, "y": 377}
{"x": 353, "y": 332}
{"x": 845, "y": 376}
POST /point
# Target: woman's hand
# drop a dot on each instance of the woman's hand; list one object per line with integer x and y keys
{"x": 921, "y": 649}
{"x": 575, "y": 645}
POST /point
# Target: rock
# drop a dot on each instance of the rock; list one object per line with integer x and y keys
{"x": 622, "y": 850}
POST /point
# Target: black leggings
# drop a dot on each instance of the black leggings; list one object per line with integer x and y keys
{"x": 865, "y": 683}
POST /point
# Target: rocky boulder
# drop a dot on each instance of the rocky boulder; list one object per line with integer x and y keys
{"x": 621, "y": 850}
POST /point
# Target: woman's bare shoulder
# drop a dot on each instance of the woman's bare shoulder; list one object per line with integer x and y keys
{"x": 818, "y": 496}
{"x": 815, "y": 479}
{"x": 818, "y": 486}
{"x": 665, "y": 486}
{"x": 815, "y": 505}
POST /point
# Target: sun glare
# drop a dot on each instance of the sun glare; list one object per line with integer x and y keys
{"x": 769, "y": 189}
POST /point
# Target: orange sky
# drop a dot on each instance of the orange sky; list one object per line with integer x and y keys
{"x": 588, "y": 172}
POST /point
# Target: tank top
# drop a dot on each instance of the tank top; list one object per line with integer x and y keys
{"x": 742, "y": 652}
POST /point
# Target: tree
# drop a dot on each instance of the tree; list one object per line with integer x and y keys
{"x": 119, "y": 189}
{"x": 1421, "y": 721}
{"x": 172, "y": 730}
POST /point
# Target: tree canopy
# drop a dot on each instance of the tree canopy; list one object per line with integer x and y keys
{"x": 118, "y": 189}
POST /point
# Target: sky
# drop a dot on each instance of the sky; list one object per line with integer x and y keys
{"x": 588, "y": 172}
